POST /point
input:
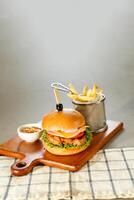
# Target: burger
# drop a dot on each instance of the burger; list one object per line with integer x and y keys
{"x": 65, "y": 133}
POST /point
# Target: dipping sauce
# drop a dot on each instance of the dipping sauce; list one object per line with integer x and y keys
{"x": 31, "y": 129}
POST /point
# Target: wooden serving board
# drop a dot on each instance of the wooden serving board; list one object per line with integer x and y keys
{"x": 32, "y": 154}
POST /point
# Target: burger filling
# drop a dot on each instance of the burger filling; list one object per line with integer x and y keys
{"x": 83, "y": 138}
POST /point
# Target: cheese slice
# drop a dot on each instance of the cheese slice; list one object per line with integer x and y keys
{"x": 61, "y": 133}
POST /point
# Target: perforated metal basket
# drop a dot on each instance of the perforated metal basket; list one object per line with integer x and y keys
{"x": 94, "y": 113}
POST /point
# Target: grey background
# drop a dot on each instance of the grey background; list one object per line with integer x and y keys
{"x": 67, "y": 41}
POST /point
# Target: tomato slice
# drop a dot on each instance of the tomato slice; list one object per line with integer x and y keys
{"x": 79, "y": 135}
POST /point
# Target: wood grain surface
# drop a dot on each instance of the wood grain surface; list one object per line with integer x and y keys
{"x": 32, "y": 154}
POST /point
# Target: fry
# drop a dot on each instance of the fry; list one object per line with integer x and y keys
{"x": 85, "y": 98}
{"x": 73, "y": 96}
{"x": 98, "y": 89}
{"x": 85, "y": 90}
{"x": 72, "y": 88}
{"x": 89, "y": 93}
{"x": 94, "y": 90}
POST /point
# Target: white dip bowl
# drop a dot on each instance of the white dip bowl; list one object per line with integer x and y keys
{"x": 29, "y": 137}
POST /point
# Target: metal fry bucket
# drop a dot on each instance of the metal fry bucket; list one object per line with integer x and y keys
{"x": 94, "y": 113}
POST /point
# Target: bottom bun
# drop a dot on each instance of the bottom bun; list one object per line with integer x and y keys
{"x": 64, "y": 151}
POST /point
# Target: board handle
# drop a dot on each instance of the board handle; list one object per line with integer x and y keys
{"x": 22, "y": 167}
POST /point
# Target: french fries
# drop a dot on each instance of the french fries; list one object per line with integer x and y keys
{"x": 85, "y": 98}
{"x": 88, "y": 95}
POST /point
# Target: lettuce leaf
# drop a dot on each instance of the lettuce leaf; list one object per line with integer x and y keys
{"x": 88, "y": 140}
